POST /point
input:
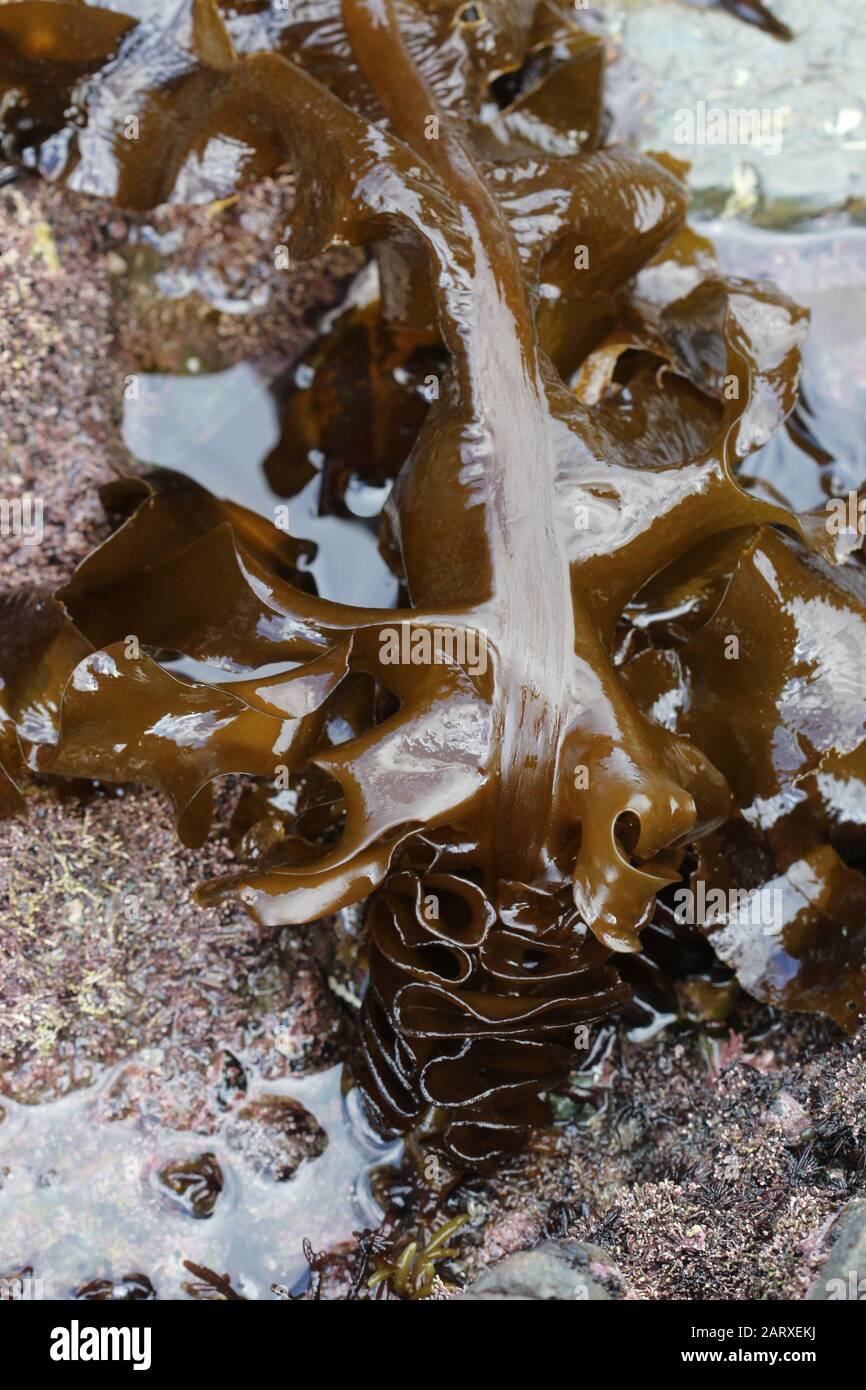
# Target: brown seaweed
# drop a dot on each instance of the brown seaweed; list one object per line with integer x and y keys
{"x": 412, "y": 1275}
{"x": 755, "y": 12}
{"x": 750, "y": 12}
{"x": 512, "y": 765}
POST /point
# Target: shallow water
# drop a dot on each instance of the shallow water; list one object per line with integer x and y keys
{"x": 80, "y": 1197}
{"x": 825, "y": 272}
{"x": 219, "y": 429}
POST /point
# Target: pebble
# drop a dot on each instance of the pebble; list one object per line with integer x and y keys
{"x": 566, "y": 1271}
{"x": 843, "y": 1277}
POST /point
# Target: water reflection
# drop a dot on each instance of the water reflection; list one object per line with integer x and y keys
{"x": 826, "y": 272}
{"x": 219, "y": 429}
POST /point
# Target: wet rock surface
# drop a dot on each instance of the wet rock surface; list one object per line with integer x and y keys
{"x": 564, "y": 1270}
{"x": 703, "y": 1162}
{"x": 110, "y": 957}
{"x": 844, "y": 1275}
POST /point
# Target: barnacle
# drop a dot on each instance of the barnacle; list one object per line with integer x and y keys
{"x": 530, "y": 744}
